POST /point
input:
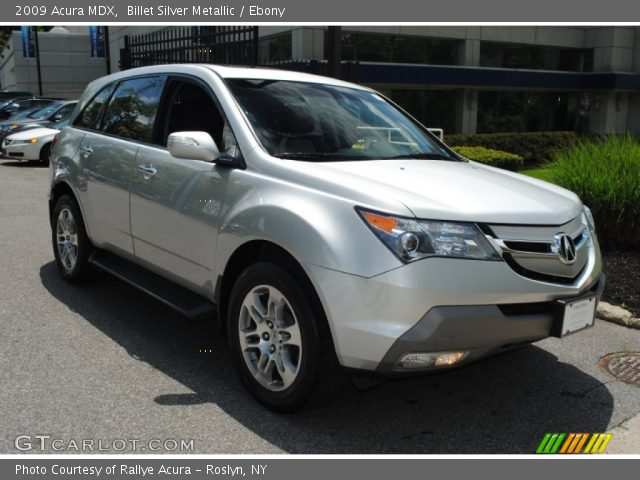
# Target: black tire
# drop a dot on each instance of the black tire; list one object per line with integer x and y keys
{"x": 81, "y": 267}
{"x": 44, "y": 153}
{"x": 319, "y": 377}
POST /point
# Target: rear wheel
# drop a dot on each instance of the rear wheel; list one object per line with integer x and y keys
{"x": 45, "y": 151}
{"x": 280, "y": 341}
{"x": 71, "y": 245}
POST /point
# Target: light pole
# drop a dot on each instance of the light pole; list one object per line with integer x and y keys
{"x": 37, "y": 52}
{"x": 107, "y": 48}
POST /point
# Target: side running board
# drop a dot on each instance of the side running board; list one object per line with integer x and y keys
{"x": 189, "y": 304}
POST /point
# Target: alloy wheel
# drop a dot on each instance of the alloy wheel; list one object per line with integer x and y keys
{"x": 270, "y": 338}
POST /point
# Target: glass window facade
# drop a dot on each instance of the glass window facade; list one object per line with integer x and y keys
{"x": 375, "y": 47}
{"x": 535, "y": 57}
{"x": 432, "y": 108}
{"x": 531, "y": 112}
{"x": 275, "y": 48}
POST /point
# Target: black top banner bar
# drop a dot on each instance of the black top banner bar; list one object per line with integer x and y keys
{"x": 287, "y": 11}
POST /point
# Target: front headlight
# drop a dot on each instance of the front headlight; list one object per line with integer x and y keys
{"x": 22, "y": 142}
{"x": 411, "y": 239}
{"x": 589, "y": 219}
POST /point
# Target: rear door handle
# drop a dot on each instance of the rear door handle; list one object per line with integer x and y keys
{"x": 148, "y": 170}
{"x": 87, "y": 151}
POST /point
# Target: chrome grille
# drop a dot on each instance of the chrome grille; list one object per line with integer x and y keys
{"x": 541, "y": 252}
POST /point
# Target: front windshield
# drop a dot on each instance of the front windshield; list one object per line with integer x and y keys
{"x": 22, "y": 114}
{"x": 46, "y": 111}
{"x": 317, "y": 122}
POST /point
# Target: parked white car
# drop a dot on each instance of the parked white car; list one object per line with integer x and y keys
{"x": 33, "y": 144}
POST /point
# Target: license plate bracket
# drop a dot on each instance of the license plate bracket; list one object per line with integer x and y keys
{"x": 574, "y": 314}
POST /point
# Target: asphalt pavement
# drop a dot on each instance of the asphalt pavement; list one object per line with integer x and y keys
{"x": 105, "y": 363}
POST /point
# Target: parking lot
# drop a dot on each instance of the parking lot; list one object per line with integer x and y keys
{"x": 104, "y": 362}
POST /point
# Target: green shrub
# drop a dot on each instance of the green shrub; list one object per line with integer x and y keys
{"x": 533, "y": 147}
{"x": 605, "y": 173}
{"x": 496, "y": 158}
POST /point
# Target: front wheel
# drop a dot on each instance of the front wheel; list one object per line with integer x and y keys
{"x": 45, "y": 151}
{"x": 280, "y": 341}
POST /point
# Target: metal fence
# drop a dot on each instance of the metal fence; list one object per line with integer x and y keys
{"x": 222, "y": 45}
{"x": 227, "y": 45}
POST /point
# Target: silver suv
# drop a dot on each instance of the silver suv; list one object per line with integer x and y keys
{"x": 327, "y": 229}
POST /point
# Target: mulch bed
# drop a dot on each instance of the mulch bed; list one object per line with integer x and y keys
{"x": 622, "y": 269}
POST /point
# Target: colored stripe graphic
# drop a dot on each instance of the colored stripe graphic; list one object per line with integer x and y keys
{"x": 592, "y": 440}
{"x": 550, "y": 443}
{"x": 543, "y": 443}
{"x": 581, "y": 443}
{"x": 567, "y": 444}
{"x": 598, "y": 443}
{"x": 553, "y": 443}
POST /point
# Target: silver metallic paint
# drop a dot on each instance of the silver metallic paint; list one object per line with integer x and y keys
{"x": 187, "y": 220}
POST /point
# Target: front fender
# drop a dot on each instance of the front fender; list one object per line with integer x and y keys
{"x": 314, "y": 227}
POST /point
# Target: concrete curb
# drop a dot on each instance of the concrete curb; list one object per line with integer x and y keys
{"x": 626, "y": 437}
{"x": 618, "y": 315}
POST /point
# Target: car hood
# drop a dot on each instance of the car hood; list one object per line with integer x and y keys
{"x": 447, "y": 190}
{"x": 33, "y": 133}
{"x": 26, "y": 121}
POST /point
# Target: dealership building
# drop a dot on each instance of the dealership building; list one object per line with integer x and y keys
{"x": 475, "y": 79}
{"x": 464, "y": 79}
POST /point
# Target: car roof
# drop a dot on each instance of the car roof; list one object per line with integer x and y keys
{"x": 34, "y": 99}
{"x": 231, "y": 72}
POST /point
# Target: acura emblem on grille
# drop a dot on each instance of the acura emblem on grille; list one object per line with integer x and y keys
{"x": 565, "y": 248}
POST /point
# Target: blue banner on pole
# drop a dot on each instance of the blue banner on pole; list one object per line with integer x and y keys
{"x": 96, "y": 36}
{"x": 28, "y": 50}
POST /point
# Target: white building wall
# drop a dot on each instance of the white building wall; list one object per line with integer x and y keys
{"x": 66, "y": 65}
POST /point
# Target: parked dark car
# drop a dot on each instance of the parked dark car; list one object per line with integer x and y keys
{"x": 9, "y": 101}
{"x": 43, "y": 117}
{"x": 23, "y": 104}
{"x": 8, "y": 95}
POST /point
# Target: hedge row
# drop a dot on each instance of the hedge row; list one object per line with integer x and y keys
{"x": 496, "y": 158}
{"x": 533, "y": 147}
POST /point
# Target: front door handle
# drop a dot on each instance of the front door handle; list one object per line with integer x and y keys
{"x": 148, "y": 170}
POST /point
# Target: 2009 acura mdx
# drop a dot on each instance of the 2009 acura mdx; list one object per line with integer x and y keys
{"x": 328, "y": 230}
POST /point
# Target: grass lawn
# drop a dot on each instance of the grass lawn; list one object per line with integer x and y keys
{"x": 544, "y": 173}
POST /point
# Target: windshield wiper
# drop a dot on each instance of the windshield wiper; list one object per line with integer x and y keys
{"x": 420, "y": 156}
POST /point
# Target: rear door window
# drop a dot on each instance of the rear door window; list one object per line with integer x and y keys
{"x": 132, "y": 109}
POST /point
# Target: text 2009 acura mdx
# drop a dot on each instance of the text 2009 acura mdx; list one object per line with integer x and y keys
{"x": 328, "y": 229}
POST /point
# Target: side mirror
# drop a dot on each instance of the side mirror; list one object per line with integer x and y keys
{"x": 57, "y": 117}
{"x": 193, "y": 146}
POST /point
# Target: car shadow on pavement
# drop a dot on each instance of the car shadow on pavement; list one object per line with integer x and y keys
{"x": 504, "y": 404}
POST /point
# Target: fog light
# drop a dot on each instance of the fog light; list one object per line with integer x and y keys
{"x": 449, "y": 358}
{"x": 430, "y": 359}
{"x": 417, "y": 360}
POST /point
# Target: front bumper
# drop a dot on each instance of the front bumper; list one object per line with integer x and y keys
{"x": 26, "y": 151}
{"x": 440, "y": 304}
{"x": 481, "y": 330}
